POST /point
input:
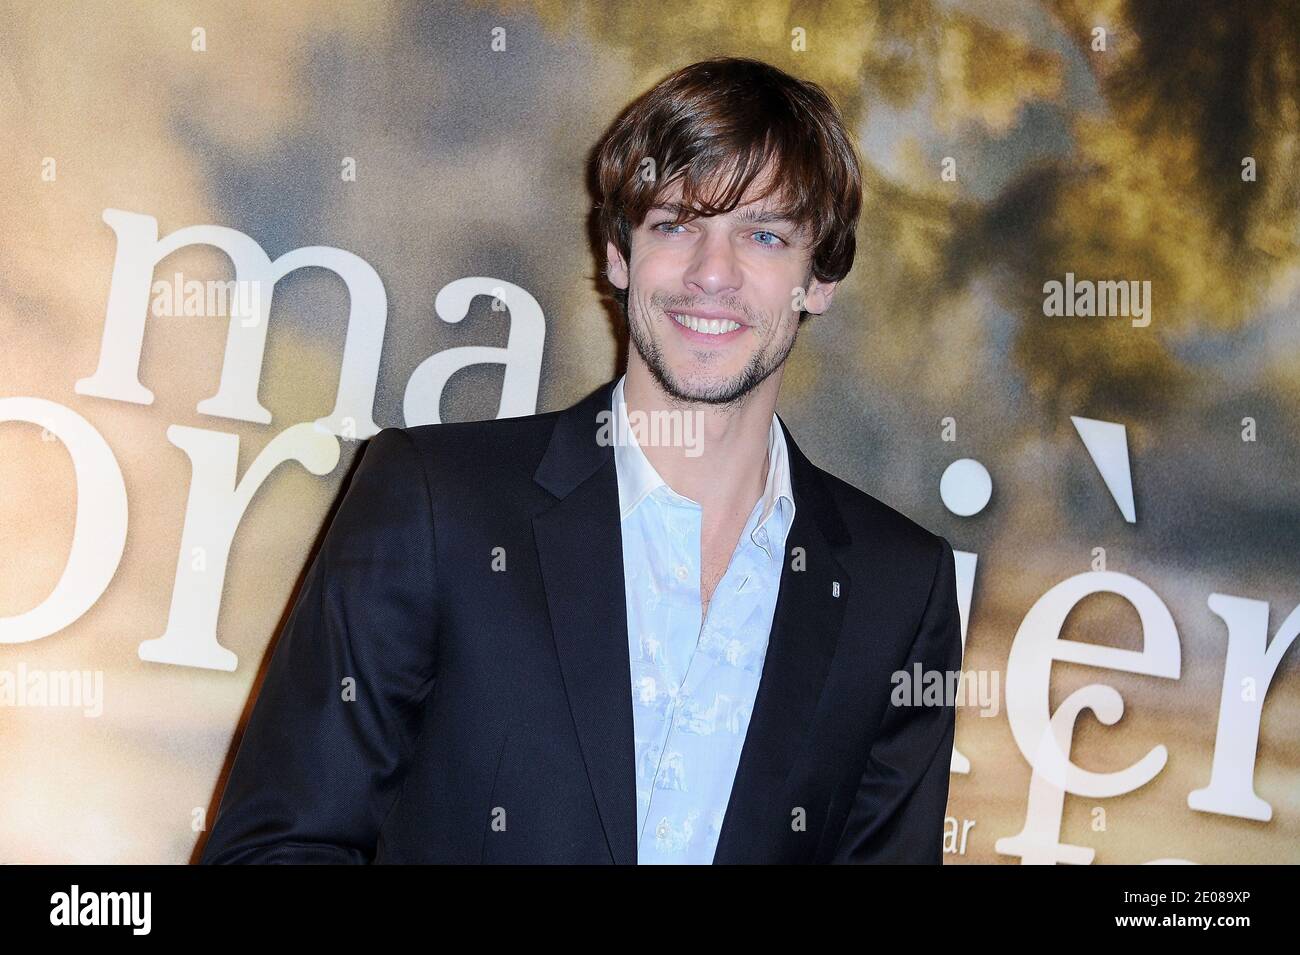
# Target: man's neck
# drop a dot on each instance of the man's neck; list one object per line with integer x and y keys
{"x": 729, "y": 472}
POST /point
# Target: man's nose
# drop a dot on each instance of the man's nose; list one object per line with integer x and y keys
{"x": 713, "y": 269}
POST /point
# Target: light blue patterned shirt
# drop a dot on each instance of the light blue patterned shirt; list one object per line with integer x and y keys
{"x": 693, "y": 686}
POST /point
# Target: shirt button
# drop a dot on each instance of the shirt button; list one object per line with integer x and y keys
{"x": 662, "y": 830}
{"x": 681, "y": 571}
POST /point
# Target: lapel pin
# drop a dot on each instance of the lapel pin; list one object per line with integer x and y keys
{"x": 835, "y": 588}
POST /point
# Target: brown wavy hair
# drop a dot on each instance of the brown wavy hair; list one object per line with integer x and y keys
{"x": 726, "y": 119}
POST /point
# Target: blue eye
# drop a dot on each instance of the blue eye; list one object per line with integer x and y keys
{"x": 773, "y": 235}
{"x": 662, "y": 224}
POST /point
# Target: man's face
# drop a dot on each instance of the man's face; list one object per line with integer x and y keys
{"x": 734, "y": 276}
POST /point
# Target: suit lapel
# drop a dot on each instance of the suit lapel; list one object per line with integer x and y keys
{"x": 805, "y": 629}
{"x": 580, "y": 549}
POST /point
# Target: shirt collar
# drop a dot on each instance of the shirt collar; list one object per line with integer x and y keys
{"x": 637, "y": 477}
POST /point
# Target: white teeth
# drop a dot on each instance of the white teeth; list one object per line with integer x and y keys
{"x": 707, "y": 326}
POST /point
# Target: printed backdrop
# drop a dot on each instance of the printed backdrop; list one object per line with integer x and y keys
{"x": 1118, "y": 471}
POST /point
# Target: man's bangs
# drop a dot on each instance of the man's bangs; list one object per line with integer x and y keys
{"x": 716, "y": 188}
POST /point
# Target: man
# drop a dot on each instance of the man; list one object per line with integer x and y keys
{"x": 556, "y": 638}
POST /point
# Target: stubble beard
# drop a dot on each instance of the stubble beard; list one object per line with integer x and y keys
{"x": 733, "y": 392}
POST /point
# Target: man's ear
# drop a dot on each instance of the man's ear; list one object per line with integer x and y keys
{"x": 616, "y": 267}
{"x": 819, "y": 296}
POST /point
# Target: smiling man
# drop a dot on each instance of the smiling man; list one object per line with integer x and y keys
{"x": 524, "y": 642}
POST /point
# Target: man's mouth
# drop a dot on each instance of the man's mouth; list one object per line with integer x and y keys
{"x": 707, "y": 328}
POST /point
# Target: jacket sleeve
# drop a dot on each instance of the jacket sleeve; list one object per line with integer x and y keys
{"x": 322, "y": 759}
{"x": 897, "y": 815}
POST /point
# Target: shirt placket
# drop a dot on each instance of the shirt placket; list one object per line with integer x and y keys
{"x": 733, "y": 602}
{"x": 683, "y": 524}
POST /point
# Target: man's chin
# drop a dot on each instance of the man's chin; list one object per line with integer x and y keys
{"x": 705, "y": 389}
{"x": 684, "y": 379}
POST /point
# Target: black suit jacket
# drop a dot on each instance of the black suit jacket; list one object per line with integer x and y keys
{"x": 453, "y": 683}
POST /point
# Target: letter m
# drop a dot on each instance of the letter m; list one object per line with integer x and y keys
{"x": 139, "y": 250}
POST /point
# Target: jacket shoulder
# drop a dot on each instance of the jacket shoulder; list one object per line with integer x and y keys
{"x": 460, "y": 450}
{"x": 871, "y": 520}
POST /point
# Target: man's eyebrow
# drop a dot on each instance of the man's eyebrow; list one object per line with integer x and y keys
{"x": 748, "y": 215}
{"x": 676, "y": 208}
{"x": 764, "y": 215}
